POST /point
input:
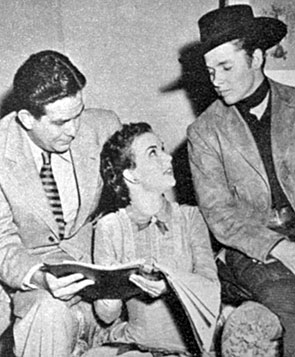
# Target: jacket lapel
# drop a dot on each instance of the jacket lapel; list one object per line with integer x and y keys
{"x": 239, "y": 135}
{"x": 23, "y": 175}
{"x": 86, "y": 160}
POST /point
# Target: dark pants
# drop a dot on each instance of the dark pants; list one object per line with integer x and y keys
{"x": 272, "y": 285}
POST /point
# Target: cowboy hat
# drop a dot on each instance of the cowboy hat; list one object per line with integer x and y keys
{"x": 237, "y": 21}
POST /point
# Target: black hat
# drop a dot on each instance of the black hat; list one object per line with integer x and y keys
{"x": 237, "y": 21}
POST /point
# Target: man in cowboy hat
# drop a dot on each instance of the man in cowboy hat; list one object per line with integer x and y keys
{"x": 242, "y": 157}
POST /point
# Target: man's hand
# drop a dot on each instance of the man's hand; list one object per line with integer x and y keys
{"x": 63, "y": 288}
{"x": 284, "y": 251}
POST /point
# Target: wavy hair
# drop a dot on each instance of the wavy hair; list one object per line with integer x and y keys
{"x": 43, "y": 78}
{"x": 117, "y": 156}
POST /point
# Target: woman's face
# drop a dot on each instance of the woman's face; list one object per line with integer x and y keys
{"x": 153, "y": 165}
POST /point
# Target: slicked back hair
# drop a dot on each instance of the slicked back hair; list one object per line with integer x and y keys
{"x": 44, "y": 78}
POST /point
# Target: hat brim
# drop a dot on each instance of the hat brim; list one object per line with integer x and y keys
{"x": 265, "y": 32}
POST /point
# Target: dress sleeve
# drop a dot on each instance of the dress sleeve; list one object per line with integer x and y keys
{"x": 104, "y": 254}
{"x": 201, "y": 283}
{"x": 203, "y": 280}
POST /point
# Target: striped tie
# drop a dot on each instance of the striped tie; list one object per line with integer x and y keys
{"x": 51, "y": 191}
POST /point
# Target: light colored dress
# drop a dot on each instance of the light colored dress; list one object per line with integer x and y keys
{"x": 157, "y": 324}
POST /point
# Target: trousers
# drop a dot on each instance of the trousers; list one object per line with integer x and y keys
{"x": 48, "y": 327}
{"x": 272, "y": 285}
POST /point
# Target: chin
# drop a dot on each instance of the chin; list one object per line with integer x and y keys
{"x": 62, "y": 148}
{"x": 170, "y": 183}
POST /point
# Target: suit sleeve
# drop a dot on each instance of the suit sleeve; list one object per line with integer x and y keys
{"x": 15, "y": 260}
{"x": 232, "y": 220}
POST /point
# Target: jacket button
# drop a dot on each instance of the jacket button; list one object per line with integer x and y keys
{"x": 51, "y": 239}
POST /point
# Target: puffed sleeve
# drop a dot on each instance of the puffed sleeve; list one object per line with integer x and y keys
{"x": 104, "y": 253}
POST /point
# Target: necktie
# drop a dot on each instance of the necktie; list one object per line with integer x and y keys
{"x": 51, "y": 191}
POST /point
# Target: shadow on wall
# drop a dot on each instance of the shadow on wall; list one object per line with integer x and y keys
{"x": 194, "y": 80}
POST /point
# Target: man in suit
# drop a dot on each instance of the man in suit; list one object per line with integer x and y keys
{"x": 50, "y": 134}
{"x": 242, "y": 157}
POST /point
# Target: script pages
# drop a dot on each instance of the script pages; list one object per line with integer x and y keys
{"x": 112, "y": 282}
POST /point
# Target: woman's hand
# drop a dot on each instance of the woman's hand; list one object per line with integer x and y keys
{"x": 154, "y": 288}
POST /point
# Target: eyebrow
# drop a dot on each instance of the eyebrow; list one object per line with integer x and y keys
{"x": 222, "y": 63}
{"x": 73, "y": 118}
{"x": 80, "y": 112}
{"x": 151, "y": 147}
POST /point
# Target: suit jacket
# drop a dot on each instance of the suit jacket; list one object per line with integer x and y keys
{"x": 28, "y": 230}
{"x": 229, "y": 177}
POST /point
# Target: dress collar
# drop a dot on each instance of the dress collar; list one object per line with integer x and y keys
{"x": 161, "y": 219}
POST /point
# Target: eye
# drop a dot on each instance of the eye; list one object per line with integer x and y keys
{"x": 227, "y": 68}
{"x": 153, "y": 152}
{"x": 59, "y": 123}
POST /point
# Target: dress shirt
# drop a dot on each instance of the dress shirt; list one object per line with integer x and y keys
{"x": 63, "y": 171}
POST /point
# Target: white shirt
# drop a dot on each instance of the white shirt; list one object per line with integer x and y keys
{"x": 63, "y": 172}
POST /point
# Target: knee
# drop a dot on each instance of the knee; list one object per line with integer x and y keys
{"x": 251, "y": 330}
{"x": 52, "y": 308}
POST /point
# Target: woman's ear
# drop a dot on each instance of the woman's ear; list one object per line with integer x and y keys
{"x": 130, "y": 177}
{"x": 26, "y": 118}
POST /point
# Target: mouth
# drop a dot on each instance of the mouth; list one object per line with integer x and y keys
{"x": 223, "y": 93}
{"x": 68, "y": 142}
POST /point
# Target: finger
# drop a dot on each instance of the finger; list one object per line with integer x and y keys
{"x": 70, "y": 279}
{"x": 67, "y": 292}
{"x": 73, "y": 300}
{"x": 144, "y": 285}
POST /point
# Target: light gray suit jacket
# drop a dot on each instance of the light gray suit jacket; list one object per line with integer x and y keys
{"x": 229, "y": 177}
{"x": 28, "y": 230}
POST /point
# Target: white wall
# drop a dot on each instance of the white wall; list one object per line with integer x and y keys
{"x": 128, "y": 50}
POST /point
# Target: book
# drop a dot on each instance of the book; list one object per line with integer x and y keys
{"x": 112, "y": 282}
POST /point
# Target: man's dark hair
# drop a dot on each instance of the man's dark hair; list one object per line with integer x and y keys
{"x": 249, "y": 46}
{"x": 117, "y": 156}
{"x": 43, "y": 78}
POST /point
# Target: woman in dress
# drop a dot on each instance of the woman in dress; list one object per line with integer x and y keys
{"x": 141, "y": 224}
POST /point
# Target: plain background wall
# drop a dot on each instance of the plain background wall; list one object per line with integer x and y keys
{"x": 128, "y": 50}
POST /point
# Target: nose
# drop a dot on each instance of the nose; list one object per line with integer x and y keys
{"x": 167, "y": 157}
{"x": 71, "y": 128}
{"x": 217, "y": 78}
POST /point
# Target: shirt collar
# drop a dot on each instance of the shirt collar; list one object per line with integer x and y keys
{"x": 37, "y": 151}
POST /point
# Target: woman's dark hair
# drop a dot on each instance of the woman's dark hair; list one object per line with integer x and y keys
{"x": 117, "y": 156}
{"x": 43, "y": 78}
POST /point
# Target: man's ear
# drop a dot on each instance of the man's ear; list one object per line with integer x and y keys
{"x": 26, "y": 118}
{"x": 257, "y": 58}
{"x": 130, "y": 177}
